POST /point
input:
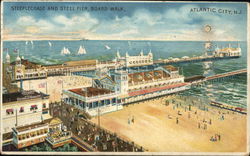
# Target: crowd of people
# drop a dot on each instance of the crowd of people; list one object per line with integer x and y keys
{"x": 98, "y": 138}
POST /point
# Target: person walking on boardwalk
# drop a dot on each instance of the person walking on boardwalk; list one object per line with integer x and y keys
{"x": 128, "y": 121}
{"x": 205, "y": 126}
{"x": 210, "y": 121}
{"x": 177, "y": 120}
{"x": 133, "y": 119}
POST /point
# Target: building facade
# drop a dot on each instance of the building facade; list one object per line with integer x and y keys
{"x": 25, "y": 70}
{"x": 111, "y": 90}
{"x": 93, "y": 100}
{"x": 50, "y": 130}
{"x": 23, "y": 108}
{"x": 132, "y": 61}
{"x": 228, "y": 51}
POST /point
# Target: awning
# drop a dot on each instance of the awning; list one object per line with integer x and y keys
{"x": 9, "y": 110}
{"x": 33, "y": 106}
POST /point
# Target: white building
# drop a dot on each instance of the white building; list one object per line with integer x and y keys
{"x": 228, "y": 51}
{"x": 93, "y": 100}
{"x": 22, "y": 108}
{"x": 131, "y": 61}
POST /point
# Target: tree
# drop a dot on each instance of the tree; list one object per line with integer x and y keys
{"x": 74, "y": 149}
{"x": 34, "y": 148}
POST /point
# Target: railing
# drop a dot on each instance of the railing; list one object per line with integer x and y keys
{"x": 227, "y": 74}
{"x": 157, "y": 80}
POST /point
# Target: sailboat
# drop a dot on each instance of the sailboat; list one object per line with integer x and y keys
{"x": 81, "y": 50}
{"x": 50, "y": 44}
{"x": 26, "y": 42}
{"x": 107, "y": 47}
{"x": 65, "y": 51}
{"x": 31, "y": 42}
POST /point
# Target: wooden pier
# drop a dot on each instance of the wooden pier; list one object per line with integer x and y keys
{"x": 192, "y": 60}
{"x": 228, "y": 107}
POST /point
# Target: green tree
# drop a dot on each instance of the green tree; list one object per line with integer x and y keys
{"x": 34, "y": 148}
{"x": 74, "y": 149}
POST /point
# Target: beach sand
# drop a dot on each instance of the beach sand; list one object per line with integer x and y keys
{"x": 155, "y": 127}
{"x": 56, "y": 84}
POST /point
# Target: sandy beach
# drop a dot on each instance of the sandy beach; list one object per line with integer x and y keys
{"x": 161, "y": 126}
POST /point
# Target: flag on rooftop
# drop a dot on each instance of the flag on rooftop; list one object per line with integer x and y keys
{"x": 15, "y": 50}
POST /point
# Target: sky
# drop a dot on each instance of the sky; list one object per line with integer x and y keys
{"x": 131, "y": 21}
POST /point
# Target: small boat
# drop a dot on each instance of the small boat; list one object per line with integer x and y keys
{"x": 50, "y": 44}
{"x": 65, "y": 51}
{"x": 107, "y": 47}
{"x": 31, "y": 42}
{"x": 26, "y": 42}
{"x": 81, "y": 50}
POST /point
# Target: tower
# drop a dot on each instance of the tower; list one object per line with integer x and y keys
{"x": 18, "y": 60}
{"x": 150, "y": 54}
{"x": 121, "y": 78}
{"x": 7, "y": 58}
{"x": 141, "y": 53}
{"x": 118, "y": 56}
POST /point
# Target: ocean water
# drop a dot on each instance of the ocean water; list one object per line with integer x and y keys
{"x": 231, "y": 91}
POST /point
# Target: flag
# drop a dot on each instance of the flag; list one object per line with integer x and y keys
{"x": 15, "y": 50}
{"x": 42, "y": 85}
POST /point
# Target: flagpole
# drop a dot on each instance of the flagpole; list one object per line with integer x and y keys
{"x": 46, "y": 88}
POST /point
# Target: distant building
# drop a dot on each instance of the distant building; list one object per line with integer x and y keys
{"x": 131, "y": 61}
{"x": 228, "y": 51}
{"x": 21, "y": 108}
{"x": 25, "y": 70}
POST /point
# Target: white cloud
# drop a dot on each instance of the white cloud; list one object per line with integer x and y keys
{"x": 78, "y": 22}
{"x": 172, "y": 24}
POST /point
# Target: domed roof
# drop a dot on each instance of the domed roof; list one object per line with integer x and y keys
{"x": 18, "y": 58}
{"x": 7, "y": 56}
{"x": 150, "y": 53}
{"x": 141, "y": 53}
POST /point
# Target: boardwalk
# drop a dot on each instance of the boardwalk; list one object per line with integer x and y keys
{"x": 200, "y": 79}
{"x": 81, "y": 144}
{"x": 236, "y": 72}
{"x": 192, "y": 59}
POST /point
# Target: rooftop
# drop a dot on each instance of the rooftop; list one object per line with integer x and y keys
{"x": 28, "y": 64}
{"x": 171, "y": 68}
{"x": 226, "y": 49}
{"x": 91, "y": 91}
{"x": 51, "y": 121}
{"x": 32, "y": 126}
{"x": 80, "y": 62}
{"x": 24, "y": 95}
{"x": 147, "y": 76}
{"x": 150, "y": 90}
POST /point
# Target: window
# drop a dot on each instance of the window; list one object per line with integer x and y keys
{"x": 21, "y": 110}
{"x": 33, "y": 107}
{"x": 9, "y": 111}
{"x": 44, "y": 105}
